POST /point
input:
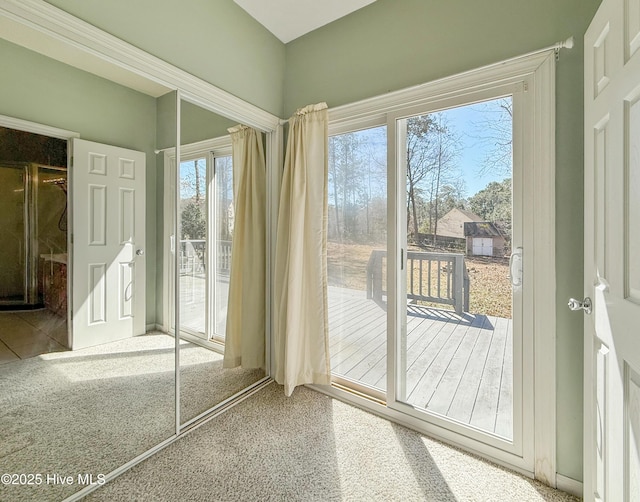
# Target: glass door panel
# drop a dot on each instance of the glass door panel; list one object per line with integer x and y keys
{"x": 455, "y": 357}
{"x": 207, "y": 228}
{"x": 224, "y": 218}
{"x": 356, "y": 251}
{"x": 12, "y": 221}
{"x": 193, "y": 245}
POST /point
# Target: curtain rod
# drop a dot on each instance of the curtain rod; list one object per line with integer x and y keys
{"x": 564, "y": 44}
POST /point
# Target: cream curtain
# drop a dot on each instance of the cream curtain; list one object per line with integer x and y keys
{"x": 245, "y": 333}
{"x": 301, "y": 323}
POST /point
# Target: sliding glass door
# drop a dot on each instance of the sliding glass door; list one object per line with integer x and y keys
{"x": 206, "y": 212}
{"x": 458, "y": 357}
{"x": 425, "y": 261}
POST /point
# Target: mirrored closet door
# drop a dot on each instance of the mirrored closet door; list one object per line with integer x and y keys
{"x": 206, "y": 224}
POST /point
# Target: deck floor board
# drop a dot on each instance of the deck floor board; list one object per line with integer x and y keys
{"x": 458, "y": 366}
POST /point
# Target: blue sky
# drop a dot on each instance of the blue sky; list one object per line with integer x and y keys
{"x": 469, "y": 122}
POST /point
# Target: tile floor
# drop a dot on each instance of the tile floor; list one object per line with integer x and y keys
{"x": 31, "y": 333}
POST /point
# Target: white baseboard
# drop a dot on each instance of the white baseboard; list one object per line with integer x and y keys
{"x": 153, "y": 327}
{"x": 569, "y": 485}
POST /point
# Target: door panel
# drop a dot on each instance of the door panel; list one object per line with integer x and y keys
{"x": 460, "y": 363}
{"x": 108, "y": 274}
{"x": 357, "y": 259}
{"x": 223, "y": 216}
{"x": 193, "y": 246}
{"x": 612, "y": 253}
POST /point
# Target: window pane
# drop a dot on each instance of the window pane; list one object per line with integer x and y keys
{"x": 224, "y": 233}
{"x": 357, "y": 243}
{"x": 457, "y": 358}
{"x": 193, "y": 244}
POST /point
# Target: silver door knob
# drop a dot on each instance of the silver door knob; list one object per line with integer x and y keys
{"x": 585, "y": 304}
{"x": 140, "y": 252}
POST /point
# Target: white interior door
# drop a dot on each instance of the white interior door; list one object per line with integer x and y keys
{"x": 108, "y": 267}
{"x": 612, "y": 253}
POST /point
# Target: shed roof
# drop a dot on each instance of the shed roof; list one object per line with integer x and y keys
{"x": 481, "y": 229}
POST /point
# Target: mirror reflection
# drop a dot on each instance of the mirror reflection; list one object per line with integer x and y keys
{"x": 206, "y": 236}
{"x": 73, "y": 404}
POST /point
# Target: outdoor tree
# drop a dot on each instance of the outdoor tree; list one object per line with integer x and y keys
{"x": 495, "y": 132}
{"x": 357, "y": 182}
{"x": 192, "y": 199}
{"x": 493, "y": 203}
{"x": 433, "y": 148}
{"x": 451, "y": 196}
{"x": 193, "y": 223}
{"x": 447, "y": 151}
{"x": 420, "y": 162}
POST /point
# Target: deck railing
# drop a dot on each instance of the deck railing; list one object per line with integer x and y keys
{"x": 431, "y": 277}
{"x": 192, "y": 257}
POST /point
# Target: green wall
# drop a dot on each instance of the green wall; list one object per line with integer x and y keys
{"x": 386, "y": 46}
{"x": 393, "y": 44}
{"x": 212, "y": 39}
{"x": 45, "y": 91}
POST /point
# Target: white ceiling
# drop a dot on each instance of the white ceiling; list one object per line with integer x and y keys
{"x": 290, "y": 19}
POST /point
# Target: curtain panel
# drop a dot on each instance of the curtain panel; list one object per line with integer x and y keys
{"x": 301, "y": 321}
{"x": 245, "y": 331}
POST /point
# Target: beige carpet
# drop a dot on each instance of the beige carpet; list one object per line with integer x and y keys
{"x": 312, "y": 448}
{"x": 92, "y": 410}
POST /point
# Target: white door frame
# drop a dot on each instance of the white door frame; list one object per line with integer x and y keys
{"x": 53, "y": 132}
{"x": 538, "y": 70}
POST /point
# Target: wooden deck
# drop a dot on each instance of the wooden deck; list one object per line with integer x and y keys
{"x": 459, "y": 366}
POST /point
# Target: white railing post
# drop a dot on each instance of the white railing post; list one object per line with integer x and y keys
{"x": 458, "y": 279}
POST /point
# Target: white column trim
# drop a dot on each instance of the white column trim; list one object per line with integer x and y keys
{"x": 544, "y": 260}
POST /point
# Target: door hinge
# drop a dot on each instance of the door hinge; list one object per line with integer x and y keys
{"x": 401, "y": 258}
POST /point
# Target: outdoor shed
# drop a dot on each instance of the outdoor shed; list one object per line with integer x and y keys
{"x": 483, "y": 239}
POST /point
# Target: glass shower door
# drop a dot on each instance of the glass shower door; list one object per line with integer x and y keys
{"x": 13, "y": 276}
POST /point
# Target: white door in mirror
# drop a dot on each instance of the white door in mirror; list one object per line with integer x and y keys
{"x": 108, "y": 274}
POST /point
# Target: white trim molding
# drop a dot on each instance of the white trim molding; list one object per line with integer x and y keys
{"x": 221, "y": 146}
{"x": 544, "y": 264}
{"x": 39, "y": 26}
{"x": 569, "y": 485}
{"x": 35, "y": 128}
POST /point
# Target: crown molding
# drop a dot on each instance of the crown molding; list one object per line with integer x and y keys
{"x": 39, "y": 26}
